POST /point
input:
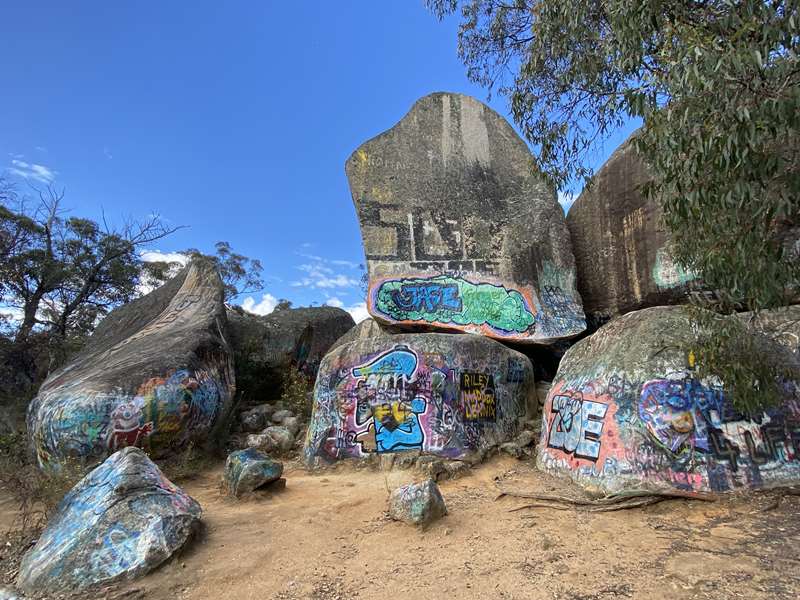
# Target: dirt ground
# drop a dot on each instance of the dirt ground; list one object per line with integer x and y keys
{"x": 328, "y": 537}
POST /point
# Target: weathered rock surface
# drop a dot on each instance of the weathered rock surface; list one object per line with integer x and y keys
{"x": 621, "y": 248}
{"x": 157, "y": 373}
{"x": 444, "y": 394}
{"x": 417, "y": 503}
{"x": 279, "y": 415}
{"x": 265, "y": 347}
{"x": 780, "y": 324}
{"x": 626, "y": 411}
{"x": 247, "y": 470}
{"x": 9, "y": 594}
{"x": 273, "y": 439}
{"x": 119, "y": 522}
{"x": 458, "y": 231}
{"x": 257, "y": 418}
{"x": 368, "y": 328}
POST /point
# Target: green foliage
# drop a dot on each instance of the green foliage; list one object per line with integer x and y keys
{"x": 717, "y": 86}
{"x": 64, "y": 273}
{"x": 297, "y": 389}
{"x": 239, "y": 274}
{"x": 753, "y": 369}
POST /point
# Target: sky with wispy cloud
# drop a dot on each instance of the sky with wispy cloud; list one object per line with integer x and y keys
{"x": 233, "y": 119}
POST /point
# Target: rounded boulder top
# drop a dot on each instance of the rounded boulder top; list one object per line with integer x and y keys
{"x": 460, "y": 232}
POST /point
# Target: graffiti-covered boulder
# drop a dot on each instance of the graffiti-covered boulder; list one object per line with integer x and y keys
{"x": 417, "y": 503}
{"x": 446, "y": 394}
{"x": 621, "y": 247}
{"x": 266, "y": 346}
{"x": 459, "y": 231}
{"x": 628, "y": 411}
{"x": 247, "y": 470}
{"x": 119, "y": 522}
{"x": 157, "y": 373}
{"x": 368, "y": 328}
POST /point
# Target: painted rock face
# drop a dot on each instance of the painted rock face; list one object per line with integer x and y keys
{"x": 119, "y": 522}
{"x": 156, "y": 374}
{"x": 247, "y": 470}
{"x": 627, "y": 411}
{"x": 458, "y": 233}
{"x": 621, "y": 248}
{"x": 442, "y": 394}
{"x": 417, "y": 503}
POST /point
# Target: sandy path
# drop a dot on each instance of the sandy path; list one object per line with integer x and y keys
{"x": 327, "y": 537}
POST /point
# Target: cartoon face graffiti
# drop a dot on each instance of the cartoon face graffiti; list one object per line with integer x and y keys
{"x": 125, "y": 426}
{"x": 387, "y": 402}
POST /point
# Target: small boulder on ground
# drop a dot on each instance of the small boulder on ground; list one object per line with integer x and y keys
{"x": 273, "y": 439}
{"x": 248, "y": 470}
{"x": 119, "y": 522}
{"x": 417, "y": 503}
{"x": 280, "y": 415}
{"x": 256, "y": 418}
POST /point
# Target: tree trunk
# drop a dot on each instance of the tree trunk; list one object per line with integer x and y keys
{"x": 29, "y": 319}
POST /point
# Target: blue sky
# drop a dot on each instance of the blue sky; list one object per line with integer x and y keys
{"x": 233, "y": 118}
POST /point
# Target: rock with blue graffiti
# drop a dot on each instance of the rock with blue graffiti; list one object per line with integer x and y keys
{"x": 417, "y": 503}
{"x": 629, "y": 411}
{"x": 248, "y": 470}
{"x": 459, "y": 232}
{"x": 9, "y": 594}
{"x": 450, "y": 395}
{"x": 157, "y": 374}
{"x": 121, "y": 521}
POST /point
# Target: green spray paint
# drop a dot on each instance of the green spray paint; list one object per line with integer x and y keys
{"x": 454, "y": 301}
{"x": 667, "y": 272}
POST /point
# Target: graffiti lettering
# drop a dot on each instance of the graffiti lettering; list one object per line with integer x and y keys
{"x": 515, "y": 371}
{"x": 478, "y": 397}
{"x": 427, "y": 297}
{"x": 455, "y": 302}
{"x": 576, "y": 426}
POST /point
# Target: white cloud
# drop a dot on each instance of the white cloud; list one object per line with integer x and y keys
{"x": 345, "y": 263}
{"x": 334, "y": 302}
{"x": 566, "y": 199}
{"x": 264, "y": 307}
{"x": 319, "y": 274}
{"x": 13, "y": 313}
{"x": 358, "y": 311}
{"x": 158, "y": 256}
{"x": 33, "y": 171}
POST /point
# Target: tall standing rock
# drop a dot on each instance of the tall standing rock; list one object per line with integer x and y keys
{"x": 458, "y": 230}
{"x": 621, "y": 248}
{"x": 157, "y": 373}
